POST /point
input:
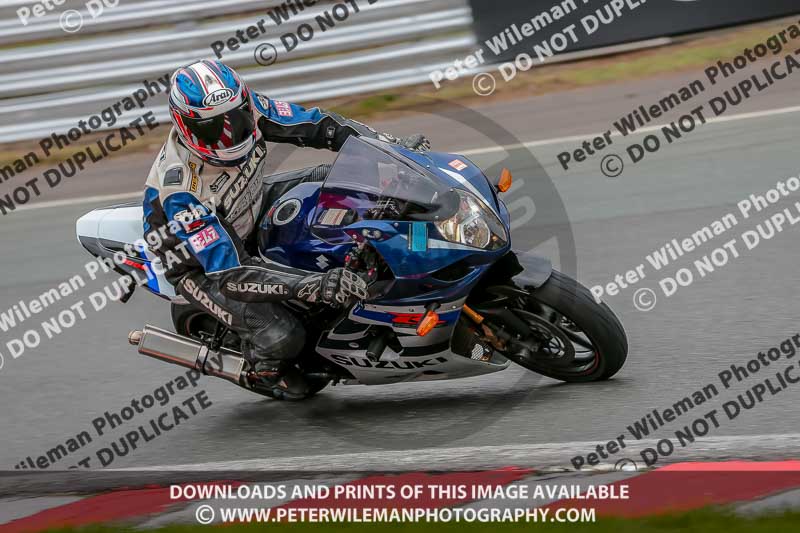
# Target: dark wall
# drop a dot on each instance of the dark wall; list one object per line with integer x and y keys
{"x": 654, "y": 18}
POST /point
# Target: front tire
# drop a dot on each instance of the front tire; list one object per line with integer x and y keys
{"x": 570, "y": 309}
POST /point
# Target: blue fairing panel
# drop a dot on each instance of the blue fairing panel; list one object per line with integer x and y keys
{"x": 291, "y": 243}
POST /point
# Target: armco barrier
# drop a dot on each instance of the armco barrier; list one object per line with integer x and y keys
{"x": 52, "y": 79}
{"x": 385, "y": 44}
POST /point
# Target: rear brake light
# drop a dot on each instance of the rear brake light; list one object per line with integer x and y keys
{"x": 134, "y": 264}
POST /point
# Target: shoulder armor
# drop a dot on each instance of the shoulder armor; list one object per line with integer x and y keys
{"x": 173, "y": 177}
{"x": 261, "y": 104}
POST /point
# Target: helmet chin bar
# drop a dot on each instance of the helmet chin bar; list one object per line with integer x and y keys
{"x": 213, "y": 160}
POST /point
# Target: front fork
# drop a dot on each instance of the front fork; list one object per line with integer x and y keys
{"x": 501, "y": 326}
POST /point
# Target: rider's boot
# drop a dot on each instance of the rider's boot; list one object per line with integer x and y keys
{"x": 280, "y": 376}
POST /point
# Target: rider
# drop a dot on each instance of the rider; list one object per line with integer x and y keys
{"x": 208, "y": 179}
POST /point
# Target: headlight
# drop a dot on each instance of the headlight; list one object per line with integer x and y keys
{"x": 473, "y": 225}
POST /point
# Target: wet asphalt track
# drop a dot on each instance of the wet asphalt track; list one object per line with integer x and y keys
{"x": 51, "y": 393}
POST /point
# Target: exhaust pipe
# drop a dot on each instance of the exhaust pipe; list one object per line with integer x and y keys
{"x": 188, "y": 353}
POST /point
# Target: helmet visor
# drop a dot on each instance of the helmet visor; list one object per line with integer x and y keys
{"x": 223, "y": 131}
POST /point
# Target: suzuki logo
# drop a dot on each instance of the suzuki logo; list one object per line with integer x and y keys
{"x": 322, "y": 262}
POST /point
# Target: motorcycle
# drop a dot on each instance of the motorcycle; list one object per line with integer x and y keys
{"x": 448, "y": 297}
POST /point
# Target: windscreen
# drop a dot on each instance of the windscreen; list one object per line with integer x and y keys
{"x": 371, "y": 182}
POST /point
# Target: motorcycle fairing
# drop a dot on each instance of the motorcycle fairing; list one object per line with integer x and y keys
{"x": 109, "y": 230}
{"x": 425, "y": 358}
{"x": 402, "y": 320}
{"x": 291, "y": 242}
{"x": 415, "y": 251}
{"x": 321, "y": 235}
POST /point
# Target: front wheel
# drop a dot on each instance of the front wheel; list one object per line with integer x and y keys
{"x": 574, "y": 338}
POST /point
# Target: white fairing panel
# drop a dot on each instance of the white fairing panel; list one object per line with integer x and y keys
{"x": 123, "y": 225}
{"x": 436, "y": 363}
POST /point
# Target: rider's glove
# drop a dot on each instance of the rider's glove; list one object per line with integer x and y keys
{"x": 336, "y": 286}
{"x": 418, "y": 142}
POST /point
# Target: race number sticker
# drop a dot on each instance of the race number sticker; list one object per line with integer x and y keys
{"x": 332, "y": 217}
{"x": 203, "y": 239}
{"x": 458, "y": 164}
{"x": 191, "y": 219}
{"x": 284, "y": 109}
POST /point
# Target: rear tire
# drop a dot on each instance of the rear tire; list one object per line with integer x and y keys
{"x": 596, "y": 321}
{"x": 189, "y": 321}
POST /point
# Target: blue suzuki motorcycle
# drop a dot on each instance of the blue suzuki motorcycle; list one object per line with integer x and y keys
{"x": 448, "y": 297}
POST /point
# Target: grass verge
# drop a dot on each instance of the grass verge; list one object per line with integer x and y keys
{"x": 685, "y": 56}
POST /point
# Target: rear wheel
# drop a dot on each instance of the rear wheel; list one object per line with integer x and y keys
{"x": 574, "y": 338}
{"x": 194, "y": 323}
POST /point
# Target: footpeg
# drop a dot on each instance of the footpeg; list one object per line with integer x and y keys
{"x": 377, "y": 347}
{"x": 376, "y": 351}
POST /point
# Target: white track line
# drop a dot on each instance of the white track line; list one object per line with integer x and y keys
{"x": 471, "y": 152}
{"x": 648, "y": 129}
{"x": 536, "y": 456}
{"x": 79, "y": 201}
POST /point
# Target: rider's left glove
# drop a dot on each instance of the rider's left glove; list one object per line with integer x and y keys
{"x": 418, "y": 142}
